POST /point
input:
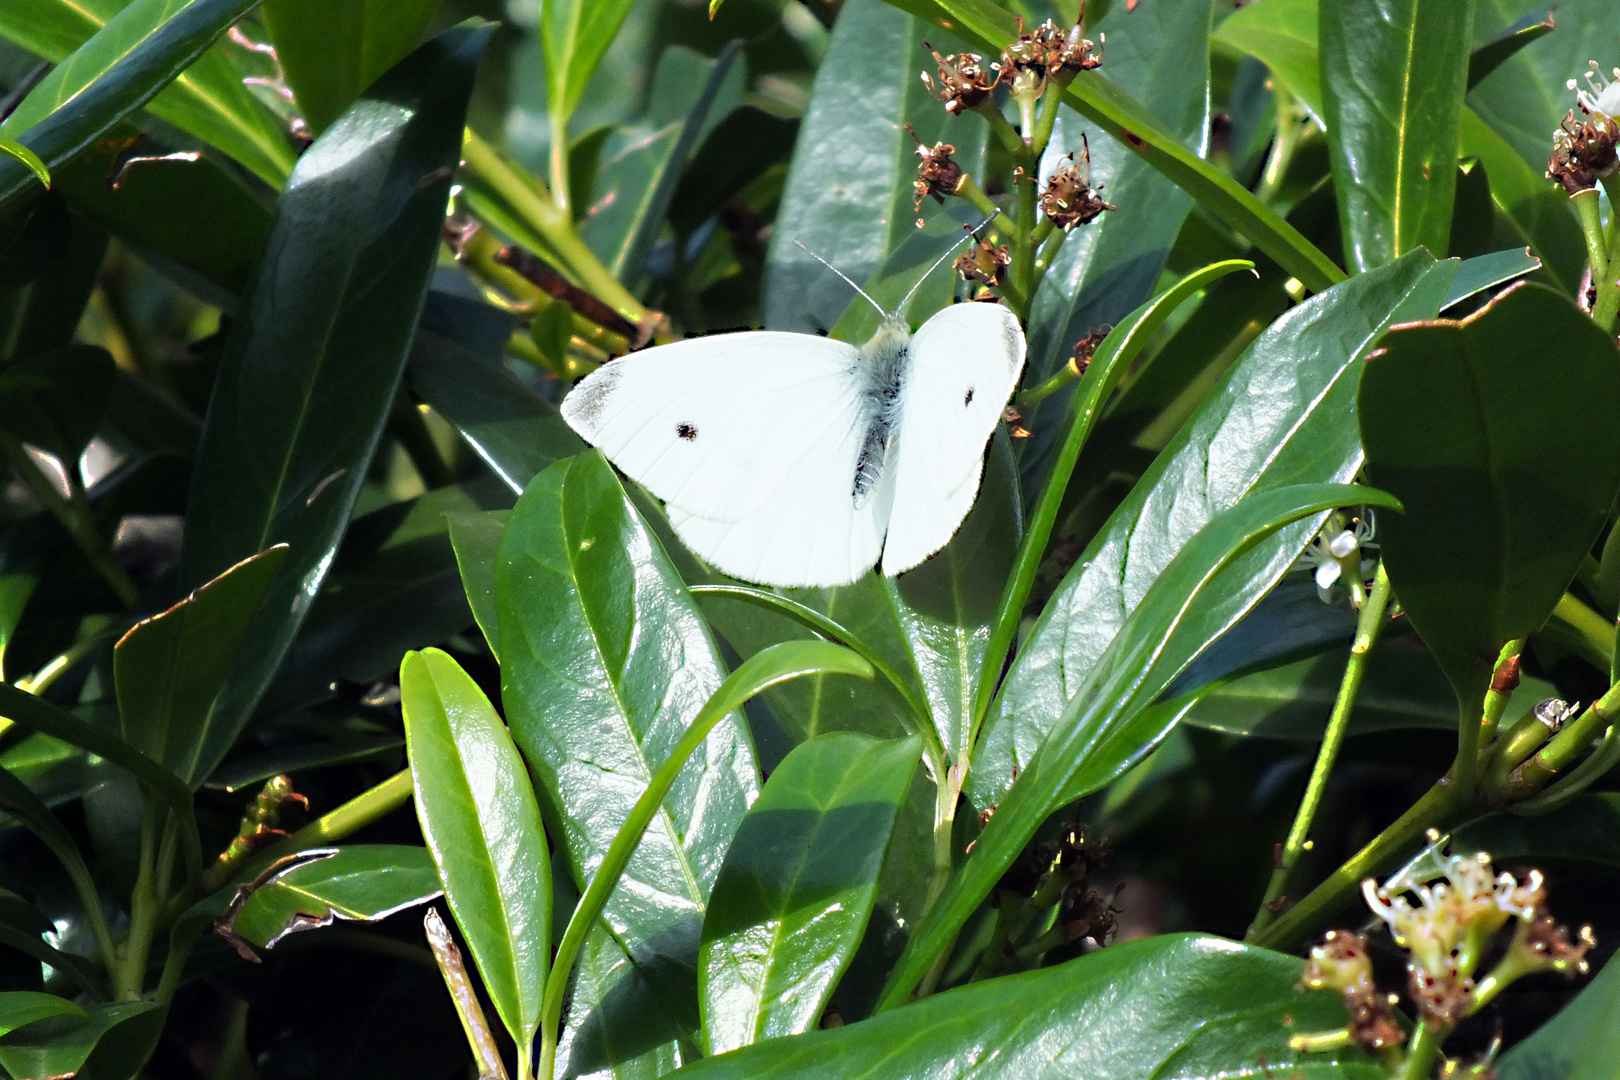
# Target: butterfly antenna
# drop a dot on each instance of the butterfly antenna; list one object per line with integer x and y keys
{"x": 949, "y": 252}
{"x": 843, "y": 275}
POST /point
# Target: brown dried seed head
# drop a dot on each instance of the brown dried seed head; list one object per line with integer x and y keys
{"x": 1069, "y": 198}
{"x": 984, "y": 264}
{"x": 962, "y": 82}
{"x": 1086, "y": 348}
{"x": 937, "y": 174}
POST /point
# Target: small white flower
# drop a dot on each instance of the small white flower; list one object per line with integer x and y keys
{"x": 1335, "y": 554}
{"x": 1602, "y": 96}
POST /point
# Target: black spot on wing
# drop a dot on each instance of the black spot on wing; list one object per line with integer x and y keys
{"x": 967, "y": 399}
{"x": 686, "y": 431}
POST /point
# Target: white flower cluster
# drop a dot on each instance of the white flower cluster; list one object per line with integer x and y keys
{"x": 1601, "y": 97}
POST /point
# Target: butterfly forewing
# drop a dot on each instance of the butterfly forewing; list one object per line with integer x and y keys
{"x": 964, "y": 364}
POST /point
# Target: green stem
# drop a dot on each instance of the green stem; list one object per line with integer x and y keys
{"x": 1607, "y": 305}
{"x": 1003, "y": 130}
{"x": 1282, "y": 148}
{"x": 559, "y": 159}
{"x": 1368, "y": 627}
{"x": 1048, "y": 240}
{"x": 129, "y": 977}
{"x": 551, "y": 220}
{"x": 1586, "y": 208}
{"x": 1592, "y": 635}
{"x": 1504, "y": 680}
{"x": 769, "y": 667}
{"x": 1435, "y": 809}
{"x": 976, "y": 197}
{"x": 1422, "y": 1051}
{"x": 74, "y": 516}
{"x": 1023, "y": 264}
{"x": 1564, "y": 748}
{"x": 1051, "y": 101}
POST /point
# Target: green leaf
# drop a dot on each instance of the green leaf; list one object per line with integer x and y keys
{"x": 123, "y": 1033}
{"x": 574, "y": 36}
{"x": 642, "y": 162}
{"x": 357, "y": 882}
{"x": 170, "y": 668}
{"x": 482, "y": 824}
{"x": 1125, "y": 679}
{"x": 1483, "y": 272}
{"x": 330, "y": 51}
{"x": 1494, "y": 53}
{"x": 849, "y": 189}
{"x": 130, "y": 57}
{"x": 1277, "y": 418}
{"x": 1198, "y": 1007}
{"x": 1538, "y": 209}
{"x": 477, "y": 542}
{"x": 616, "y": 1028}
{"x": 797, "y": 887}
{"x": 1282, "y": 34}
{"x": 1160, "y": 55}
{"x": 28, "y": 158}
{"x": 20, "y": 1007}
{"x": 1583, "y": 832}
{"x": 1507, "y": 480}
{"x": 604, "y": 664}
{"x": 1393, "y": 77}
{"x": 21, "y": 927}
{"x": 1582, "y": 1042}
{"x": 315, "y": 355}
{"x": 56, "y": 400}
{"x": 990, "y": 29}
{"x": 513, "y": 429}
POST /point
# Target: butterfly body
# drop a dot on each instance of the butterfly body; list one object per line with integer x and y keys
{"x": 795, "y": 460}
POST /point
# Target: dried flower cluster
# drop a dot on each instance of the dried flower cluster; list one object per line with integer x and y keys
{"x": 963, "y": 83}
{"x": 1341, "y": 964}
{"x": 1584, "y": 149}
{"x": 983, "y": 263}
{"x": 937, "y": 174}
{"x": 1069, "y": 198}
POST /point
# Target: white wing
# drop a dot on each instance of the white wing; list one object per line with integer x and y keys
{"x": 752, "y": 441}
{"x": 964, "y": 364}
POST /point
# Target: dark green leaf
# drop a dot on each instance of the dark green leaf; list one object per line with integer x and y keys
{"x": 477, "y": 541}
{"x": 849, "y": 192}
{"x": 20, "y": 1007}
{"x": 133, "y": 56}
{"x": 358, "y": 882}
{"x": 1283, "y": 35}
{"x": 1581, "y": 1043}
{"x": 331, "y": 51}
{"x": 605, "y": 662}
{"x": 63, "y": 1045}
{"x": 1537, "y": 208}
{"x": 616, "y": 1028}
{"x": 641, "y": 163}
{"x": 1483, "y": 272}
{"x": 305, "y": 756}
{"x": 1494, "y": 53}
{"x": 482, "y": 824}
{"x": 1159, "y": 54}
{"x": 171, "y": 667}
{"x": 1080, "y": 753}
{"x": 1393, "y": 76}
{"x": 21, "y": 927}
{"x": 1507, "y": 480}
{"x": 315, "y": 356}
{"x": 1199, "y": 1008}
{"x": 797, "y": 887}
{"x": 516, "y": 431}
{"x": 1584, "y": 831}
{"x": 56, "y": 400}
{"x": 1276, "y": 419}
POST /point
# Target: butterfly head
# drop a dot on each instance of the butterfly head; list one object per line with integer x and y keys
{"x": 892, "y": 336}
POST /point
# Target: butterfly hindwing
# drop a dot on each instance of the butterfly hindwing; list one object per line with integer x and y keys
{"x": 752, "y": 441}
{"x": 964, "y": 364}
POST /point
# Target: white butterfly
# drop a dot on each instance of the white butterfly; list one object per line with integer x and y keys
{"x": 793, "y": 460}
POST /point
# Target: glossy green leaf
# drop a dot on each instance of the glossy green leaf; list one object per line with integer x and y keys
{"x": 641, "y": 163}
{"x": 1494, "y": 53}
{"x": 849, "y": 189}
{"x": 1393, "y": 76}
{"x": 513, "y": 429}
{"x": 170, "y": 668}
{"x": 1483, "y": 272}
{"x": 797, "y": 887}
{"x": 15, "y": 149}
{"x": 616, "y": 1028}
{"x": 989, "y": 28}
{"x": 1077, "y": 755}
{"x": 1159, "y": 54}
{"x": 1584, "y": 831}
{"x": 355, "y": 883}
{"x": 20, "y": 1007}
{"x": 1537, "y": 208}
{"x": 63, "y": 1045}
{"x": 477, "y": 541}
{"x": 314, "y": 358}
{"x": 331, "y": 51}
{"x": 1582, "y": 1042}
{"x": 1507, "y": 480}
{"x": 605, "y": 663}
{"x": 574, "y": 36}
{"x": 1282, "y": 34}
{"x": 56, "y": 400}
{"x": 1277, "y": 418}
{"x": 1198, "y": 1008}
{"x": 119, "y": 64}
{"x": 482, "y": 824}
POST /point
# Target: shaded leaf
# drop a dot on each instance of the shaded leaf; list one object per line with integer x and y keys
{"x": 797, "y": 887}
{"x": 20, "y": 1007}
{"x": 1283, "y": 35}
{"x": 1537, "y": 208}
{"x": 477, "y": 541}
{"x": 1582, "y": 1042}
{"x": 56, "y": 400}
{"x": 1483, "y": 272}
{"x": 331, "y": 51}
{"x": 63, "y": 1045}
{"x": 356, "y": 882}
{"x": 1499, "y": 509}
{"x": 574, "y": 36}
{"x": 482, "y": 824}
{"x": 1494, "y": 53}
